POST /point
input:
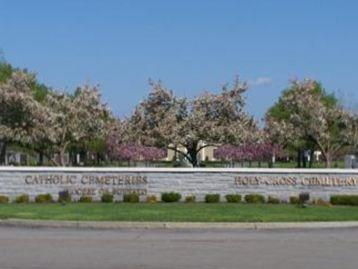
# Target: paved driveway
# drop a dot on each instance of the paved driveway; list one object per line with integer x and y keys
{"x": 135, "y": 249}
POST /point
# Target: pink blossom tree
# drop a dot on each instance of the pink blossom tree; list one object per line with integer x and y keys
{"x": 259, "y": 152}
{"x": 132, "y": 152}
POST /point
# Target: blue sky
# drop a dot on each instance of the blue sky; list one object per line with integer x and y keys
{"x": 190, "y": 45}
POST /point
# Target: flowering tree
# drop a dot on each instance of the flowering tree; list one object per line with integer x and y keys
{"x": 166, "y": 121}
{"x": 22, "y": 118}
{"x": 135, "y": 153}
{"x": 119, "y": 150}
{"x": 354, "y": 131}
{"x": 307, "y": 114}
{"x": 76, "y": 118}
{"x": 259, "y": 152}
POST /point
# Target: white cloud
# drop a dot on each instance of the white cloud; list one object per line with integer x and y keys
{"x": 260, "y": 81}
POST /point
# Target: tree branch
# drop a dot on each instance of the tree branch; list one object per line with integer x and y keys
{"x": 186, "y": 155}
{"x": 204, "y": 146}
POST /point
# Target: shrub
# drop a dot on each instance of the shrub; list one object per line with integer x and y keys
{"x": 233, "y": 198}
{"x": 170, "y": 197}
{"x": 273, "y": 200}
{"x": 344, "y": 200}
{"x": 320, "y": 202}
{"x": 4, "y": 199}
{"x": 190, "y": 199}
{"x": 131, "y": 198}
{"x": 64, "y": 197}
{"x": 23, "y": 198}
{"x": 294, "y": 200}
{"x": 85, "y": 199}
{"x": 212, "y": 198}
{"x": 107, "y": 198}
{"x": 43, "y": 198}
{"x": 254, "y": 199}
{"x": 152, "y": 199}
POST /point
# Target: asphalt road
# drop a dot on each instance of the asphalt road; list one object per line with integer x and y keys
{"x": 148, "y": 249}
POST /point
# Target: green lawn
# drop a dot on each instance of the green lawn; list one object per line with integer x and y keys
{"x": 198, "y": 212}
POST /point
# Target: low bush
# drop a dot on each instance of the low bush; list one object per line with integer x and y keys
{"x": 131, "y": 198}
{"x": 4, "y": 199}
{"x": 23, "y": 198}
{"x": 43, "y": 198}
{"x": 212, "y": 198}
{"x": 344, "y": 200}
{"x": 273, "y": 200}
{"x": 170, "y": 197}
{"x": 254, "y": 199}
{"x": 107, "y": 198}
{"x": 320, "y": 202}
{"x": 152, "y": 199}
{"x": 85, "y": 199}
{"x": 294, "y": 200}
{"x": 233, "y": 198}
{"x": 190, "y": 199}
{"x": 64, "y": 197}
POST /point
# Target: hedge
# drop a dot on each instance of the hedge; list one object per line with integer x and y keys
{"x": 23, "y": 198}
{"x": 4, "y": 199}
{"x": 254, "y": 199}
{"x": 131, "y": 198}
{"x": 233, "y": 198}
{"x": 212, "y": 198}
{"x": 85, "y": 199}
{"x": 107, "y": 198}
{"x": 344, "y": 200}
{"x": 43, "y": 198}
{"x": 170, "y": 197}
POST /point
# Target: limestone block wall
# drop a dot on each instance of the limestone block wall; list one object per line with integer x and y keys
{"x": 281, "y": 183}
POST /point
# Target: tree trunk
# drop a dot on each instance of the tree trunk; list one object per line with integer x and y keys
{"x": 62, "y": 157}
{"x": 303, "y": 157}
{"x": 62, "y": 153}
{"x": 299, "y": 158}
{"x": 311, "y": 158}
{"x": 2, "y": 153}
{"x": 41, "y": 158}
{"x": 193, "y": 153}
{"x": 175, "y": 154}
{"x": 193, "y": 158}
{"x": 72, "y": 158}
{"x": 328, "y": 159}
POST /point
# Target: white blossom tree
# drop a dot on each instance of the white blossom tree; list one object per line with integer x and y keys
{"x": 75, "y": 118}
{"x": 307, "y": 113}
{"x": 166, "y": 121}
{"x": 22, "y": 118}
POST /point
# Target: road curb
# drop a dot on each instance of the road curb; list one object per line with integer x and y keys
{"x": 104, "y": 225}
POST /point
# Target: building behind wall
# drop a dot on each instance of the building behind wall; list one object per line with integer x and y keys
{"x": 206, "y": 154}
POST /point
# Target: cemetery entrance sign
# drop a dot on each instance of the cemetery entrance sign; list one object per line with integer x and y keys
{"x": 281, "y": 183}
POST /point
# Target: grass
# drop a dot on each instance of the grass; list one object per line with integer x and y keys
{"x": 181, "y": 212}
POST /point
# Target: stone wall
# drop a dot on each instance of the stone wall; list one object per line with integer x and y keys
{"x": 281, "y": 183}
